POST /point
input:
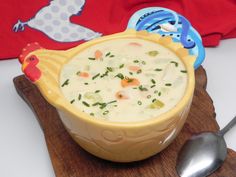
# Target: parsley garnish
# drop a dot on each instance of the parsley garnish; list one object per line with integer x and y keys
{"x": 139, "y": 71}
{"x": 97, "y": 91}
{"x": 121, "y": 76}
{"x": 109, "y": 69}
{"x": 152, "y": 86}
{"x": 149, "y": 96}
{"x": 79, "y": 97}
{"x": 141, "y": 88}
{"x": 65, "y": 83}
{"x": 85, "y": 103}
{"x": 108, "y": 54}
{"x": 157, "y": 69}
{"x": 174, "y": 62}
{"x": 153, "y": 81}
{"x": 121, "y": 66}
{"x": 168, "y": 84}
{"x": 105, "y": 112}
{"x": 94, "y": 77}
{"x": 105, "y": 74}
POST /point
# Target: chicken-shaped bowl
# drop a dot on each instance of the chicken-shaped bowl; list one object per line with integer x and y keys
{"x": 118, "y": 141}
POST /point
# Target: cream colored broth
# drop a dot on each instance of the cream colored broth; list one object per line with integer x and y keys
{"x": 124, "y": 80}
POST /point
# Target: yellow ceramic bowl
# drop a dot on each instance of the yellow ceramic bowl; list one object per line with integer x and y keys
{"x": 119, "y": 142}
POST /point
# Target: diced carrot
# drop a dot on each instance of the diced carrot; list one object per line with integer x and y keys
{"x": 134, "y": 68}
{"x": 98, "y": 54}
{"x": 135, "y": 44}
{"x": 121, "y": 95}
{"x": 129, "y": 82}
{"x": 84, "y": 74}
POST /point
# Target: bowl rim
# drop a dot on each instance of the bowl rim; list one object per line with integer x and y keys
{"x": 62, "y": 104}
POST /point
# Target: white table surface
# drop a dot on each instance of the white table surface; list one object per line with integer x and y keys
{"x": 23, "y": 151}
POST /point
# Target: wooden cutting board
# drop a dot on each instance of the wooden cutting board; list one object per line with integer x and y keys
{"x": 69, "y": 160}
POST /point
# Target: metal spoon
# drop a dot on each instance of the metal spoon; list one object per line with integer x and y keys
{"x": 202, "y": 154}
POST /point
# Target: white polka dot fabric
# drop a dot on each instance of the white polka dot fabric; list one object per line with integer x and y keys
{"x": 54, "y": 21}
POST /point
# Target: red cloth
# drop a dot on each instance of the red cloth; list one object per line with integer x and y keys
{"x": 213, "y": 19}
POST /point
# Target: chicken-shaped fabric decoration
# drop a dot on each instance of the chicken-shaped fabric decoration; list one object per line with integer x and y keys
{"x": 54, "y": 21}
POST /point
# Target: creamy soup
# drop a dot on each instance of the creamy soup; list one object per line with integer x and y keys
{"x": 124, "y": 80}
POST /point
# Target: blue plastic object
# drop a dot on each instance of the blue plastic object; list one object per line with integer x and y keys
{"x": 169, "y": 23}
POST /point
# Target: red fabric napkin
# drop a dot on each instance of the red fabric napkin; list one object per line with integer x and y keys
{"x": 61, "y": 24}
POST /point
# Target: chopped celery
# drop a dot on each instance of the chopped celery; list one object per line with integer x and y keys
{"x": 94, "y": 97}
{"x": 153, "y": 53}
{"x": 157, "y": 104}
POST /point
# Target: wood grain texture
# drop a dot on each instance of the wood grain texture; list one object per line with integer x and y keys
{"x": 69, "y": 160}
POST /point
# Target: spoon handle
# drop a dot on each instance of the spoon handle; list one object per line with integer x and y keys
{"x": 227, "y": 127}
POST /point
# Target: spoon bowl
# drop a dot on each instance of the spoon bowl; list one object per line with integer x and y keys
{"x": 207, "y": 151}
{"x": 202, "y": 154}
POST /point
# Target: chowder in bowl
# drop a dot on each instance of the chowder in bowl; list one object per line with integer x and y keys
{"x": 122, "y": 97}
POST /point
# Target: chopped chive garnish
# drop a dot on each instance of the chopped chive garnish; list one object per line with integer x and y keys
{"x": 159, "y": 94}
{"x": 135, "y": 61}
{"x": 143, "y": 62}
{"x": 112, "y": 56}
{"x": 157, "y": 69}
{"x": 94, "y": 77}
{"x": 141, "y": 88}
{"x": 109, "y": 69}
{"x": 78, "y": 73}
{"x": 139, "y": 71}
{"x": 168, "y": 84}
{"x": 108, "y": 54}
{"x": 121, "y": 76}
{"x": 85, "y": 103}
{"x": 153, "y": 81}
{"x": 105, "y": 112}
{"x": 91, "y": 114}
{"x": 65, "y": 83}
{"x": 86, "y": 83}
{"x": 156, "y": 91}
{"x": 130, "y": 73}
{"x": 105, "y": 74}
{"x": 95, "y": 104}
{"x": 114, "y": 101}
{"x": 154, "y": 100}
{"x": 97, "y": 91}
{"x": 121, "y": 66}
{"x": 152, "y": 86}
{"x": 183, "y": 71}
{"x": 72, "y": 101}
{"x": 149, "y": 96}
{"x": 103, "y": 105}
{"x": 79, "y": 97}
{"x": 129, "y": 80}
{"x": 91, "y": 58}
{"x": 139, "y": 103}
{"x": 174, "y": 62}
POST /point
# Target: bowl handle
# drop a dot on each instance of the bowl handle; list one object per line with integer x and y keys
{"x": 38, "y": 62}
